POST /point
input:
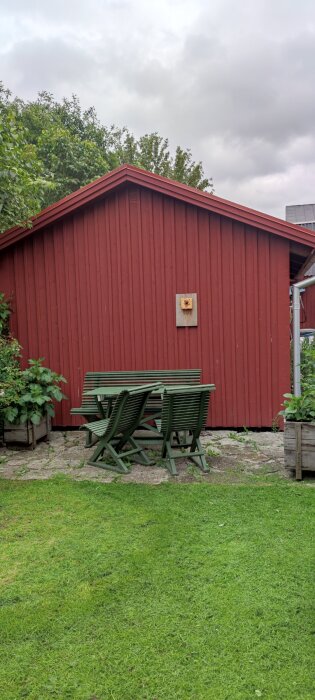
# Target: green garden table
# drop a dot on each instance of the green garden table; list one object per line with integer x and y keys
{"x": 110, "y": 393}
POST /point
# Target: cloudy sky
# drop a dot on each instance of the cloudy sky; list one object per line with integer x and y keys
{"x": 233, "y": 81}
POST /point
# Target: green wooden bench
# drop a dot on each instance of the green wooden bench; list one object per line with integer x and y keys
{"x": 184, "y": 415}
{"x": 116, "y": 432}
{"x": 93, "y": 380}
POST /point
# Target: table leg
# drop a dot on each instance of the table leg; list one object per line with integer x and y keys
{"x": 100, "y": 408}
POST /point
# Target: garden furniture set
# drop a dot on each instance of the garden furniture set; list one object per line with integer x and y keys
{"x": 127, "y": 412}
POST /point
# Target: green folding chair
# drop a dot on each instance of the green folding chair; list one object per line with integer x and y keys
{"x": 115, "y": 433}
{"x": 184, "y": 415}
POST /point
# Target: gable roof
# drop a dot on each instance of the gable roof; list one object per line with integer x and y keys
{"x": 130, "y": 174}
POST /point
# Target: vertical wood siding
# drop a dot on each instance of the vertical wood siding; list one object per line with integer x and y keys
{"x": 308, "y": 310}
{"x": 97, "y": 292}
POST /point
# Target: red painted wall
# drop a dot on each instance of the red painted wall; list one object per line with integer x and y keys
{"x": 308, "y": 308}
{"x": 97, "y": 292}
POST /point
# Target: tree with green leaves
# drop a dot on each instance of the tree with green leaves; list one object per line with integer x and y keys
{"x": 50, "y": 149}
{"x": 152, "y": 152}
{"x": 21, "y": 182}
{"x": 69, "y": 142}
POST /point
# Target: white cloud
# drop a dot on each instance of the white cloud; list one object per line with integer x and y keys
{"x": 232, "y": 81}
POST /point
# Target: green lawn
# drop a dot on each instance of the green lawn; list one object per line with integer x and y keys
{"x": 130, "y": 592}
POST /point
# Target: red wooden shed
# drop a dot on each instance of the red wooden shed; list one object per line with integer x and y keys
{"x": 94, "y": 283}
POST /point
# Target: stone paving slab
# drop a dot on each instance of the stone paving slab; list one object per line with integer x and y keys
{"x": 233, "y": 458}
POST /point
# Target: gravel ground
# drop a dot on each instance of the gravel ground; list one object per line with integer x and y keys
{"x": 233, "y": 458}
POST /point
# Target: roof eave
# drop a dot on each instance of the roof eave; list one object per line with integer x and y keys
{"x": 143, "y": 178}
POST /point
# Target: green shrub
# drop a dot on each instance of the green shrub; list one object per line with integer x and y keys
{"x": 11, "y": 378}
{"x": 40, "y": 387}
{"x": 4, "y": 316}
{"x": 308, "y": 363}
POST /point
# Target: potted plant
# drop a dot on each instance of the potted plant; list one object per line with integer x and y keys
{"x": 299, "y": 414}
{"x": 29, "y": 407}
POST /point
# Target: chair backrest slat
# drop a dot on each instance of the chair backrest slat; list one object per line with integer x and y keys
{"x": 185, "y": 408}
{"x": 128, "y": 410}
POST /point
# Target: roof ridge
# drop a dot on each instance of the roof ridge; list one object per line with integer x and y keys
{"x": 191, "y": 195}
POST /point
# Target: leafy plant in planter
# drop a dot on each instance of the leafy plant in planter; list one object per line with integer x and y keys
{"x": 40, "y": 387}
{"x": 302, "y": 408}
{"x": 26, "y": 397}
{"x": 299, "y": 414}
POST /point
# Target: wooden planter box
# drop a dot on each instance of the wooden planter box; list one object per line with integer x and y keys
{"x": 27, "y": 433}
{"x": 299, "y": 447}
